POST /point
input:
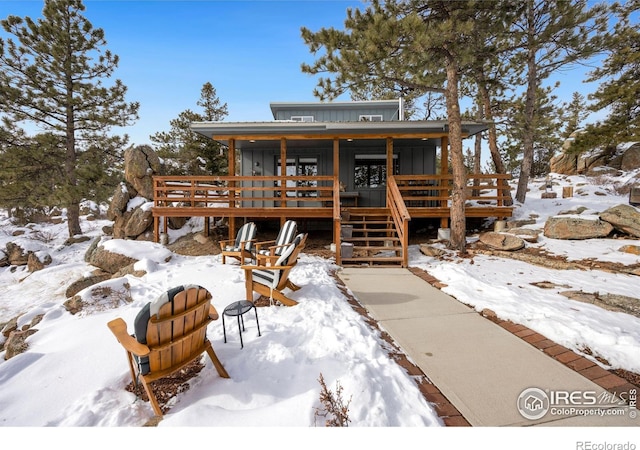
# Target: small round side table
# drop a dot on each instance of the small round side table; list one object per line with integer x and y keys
{"x": 238, "y": 309}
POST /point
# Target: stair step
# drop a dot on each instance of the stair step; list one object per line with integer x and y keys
{"x": 370, "y": 238}
{"x": 373, "y": 233}
{"x": 367, "y": 222}
{"x": 377, "y": 248}
{"x": 387, "y": 259}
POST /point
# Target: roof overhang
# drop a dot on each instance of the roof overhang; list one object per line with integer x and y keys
{"x": 276, "y": 130}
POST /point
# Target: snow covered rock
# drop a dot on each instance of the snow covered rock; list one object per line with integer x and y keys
{"x": 111, "y": 262}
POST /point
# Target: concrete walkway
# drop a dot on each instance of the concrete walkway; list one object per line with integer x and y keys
{"x": 479, "y": 366}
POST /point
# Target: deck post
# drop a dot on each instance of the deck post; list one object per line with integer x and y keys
{"x": 283, "y": 172}
{"x": 231, "y": 160}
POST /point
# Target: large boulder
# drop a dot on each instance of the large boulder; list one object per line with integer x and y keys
{"x": 140, "y": 164}
{"x": 624, "y": 218}
{"x": 130, "y": 207}
{"x": 571, "y": 227}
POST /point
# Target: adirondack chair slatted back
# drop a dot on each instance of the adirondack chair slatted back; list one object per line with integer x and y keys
{"x": 178, "y": 331}
{"x": 286, "y": 236}
{"x": 246, "y": 233}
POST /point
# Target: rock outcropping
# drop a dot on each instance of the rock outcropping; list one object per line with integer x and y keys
{"x": 130, "y": 207}
{"x": 624, "y": 157}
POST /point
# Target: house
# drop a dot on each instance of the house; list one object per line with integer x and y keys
{"x": 356, "y": 166}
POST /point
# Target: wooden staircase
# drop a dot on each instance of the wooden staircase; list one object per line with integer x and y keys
{"x": 374, "y": 237}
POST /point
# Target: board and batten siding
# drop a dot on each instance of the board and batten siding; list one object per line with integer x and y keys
{"x": 341, "y": 115}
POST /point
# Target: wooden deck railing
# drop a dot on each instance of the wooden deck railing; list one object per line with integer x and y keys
{"x": 434, "y": 191}
{"x": 255, "y": 196}
{"x": 245, "y": 192}
{"x": 408, "y": 196}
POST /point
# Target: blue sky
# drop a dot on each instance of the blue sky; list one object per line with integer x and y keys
{"x": 250, "y": 50}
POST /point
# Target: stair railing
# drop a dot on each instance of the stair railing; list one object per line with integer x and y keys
{"x": 400, "y": 215}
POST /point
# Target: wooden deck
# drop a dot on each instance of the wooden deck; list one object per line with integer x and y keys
{"x": 318, "y": 197}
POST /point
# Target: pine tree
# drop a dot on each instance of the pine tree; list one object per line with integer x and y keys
{"x": 619, "y": 90}
{"x": 551, "y": 35}
{"x": 186, "y": 152}
{"x": 548, "y": 131}
{"x": 574, "y": 113}
{"x": 53, "y": 77}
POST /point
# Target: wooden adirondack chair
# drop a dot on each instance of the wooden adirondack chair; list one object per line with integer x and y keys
{"x": 243, "y": 246}
{"x": 170, "y": 334}
{"x": 276, "y": 247}
{"x": 272, "y": 276}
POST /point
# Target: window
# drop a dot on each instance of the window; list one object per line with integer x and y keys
{"x": 302, "y": 118}
{"x": 302, "y": 166}
{"x": 371, "y": 170}
{"x": 370, "y": 118}
{"x": 308, "y": 167}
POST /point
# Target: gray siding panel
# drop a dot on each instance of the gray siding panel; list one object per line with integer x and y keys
{"x": 339, "y": 114}
{"x": 413, "y": 158}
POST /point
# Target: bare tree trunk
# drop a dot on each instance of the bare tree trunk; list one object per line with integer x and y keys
{"x": 458, "y": 237}
{"x": 72, "y": 200}
{"x": 493, "y": 140}
{"x": 529, "y": 108}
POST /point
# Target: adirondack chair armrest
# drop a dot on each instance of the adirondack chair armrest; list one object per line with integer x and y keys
{"x": 267, "y": 260}
{"x": 223, "y": 243}
{"x": 119, "y": 328}
{"x": 213, "y": 313}
{"x": 273, "y": 248}
{"x": 266, "y": 267}
{"x": 261, "y": 244}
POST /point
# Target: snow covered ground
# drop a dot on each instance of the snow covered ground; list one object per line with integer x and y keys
{"x": 74, "y": 372}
